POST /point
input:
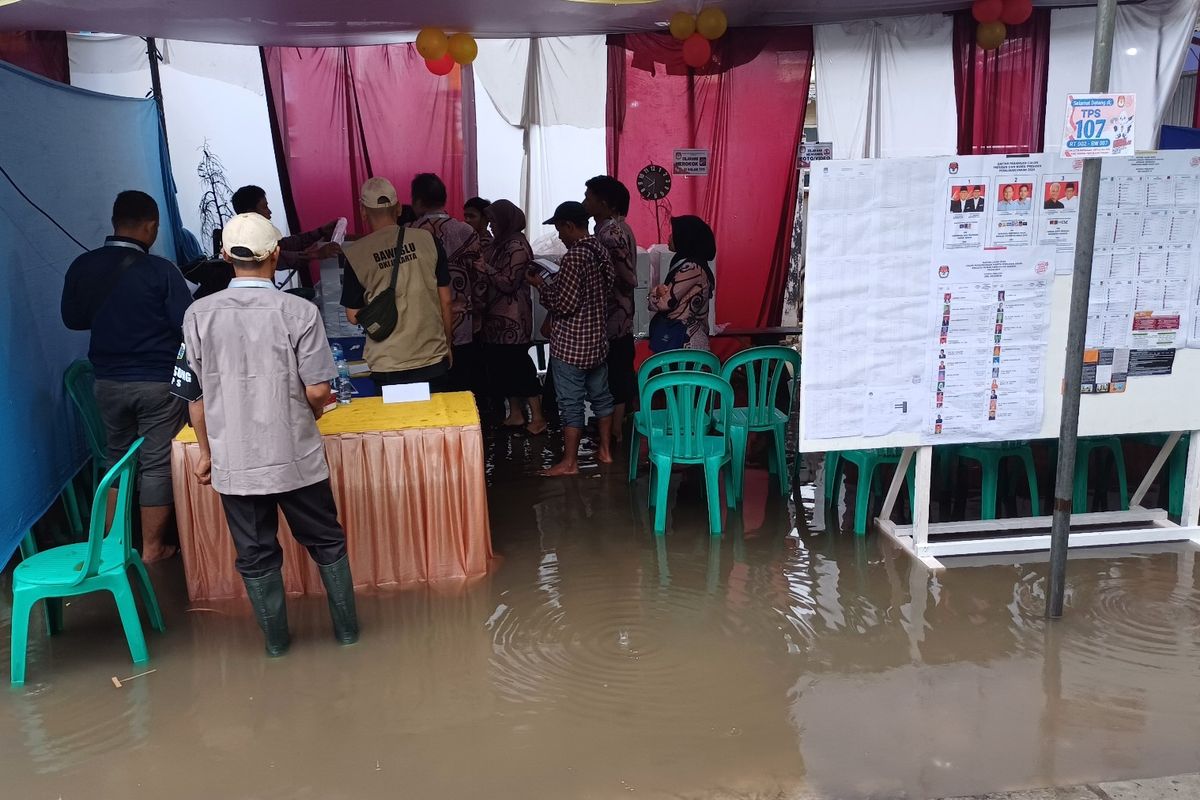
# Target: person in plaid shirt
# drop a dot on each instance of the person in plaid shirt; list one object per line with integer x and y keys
{"x": 578, "y": 300}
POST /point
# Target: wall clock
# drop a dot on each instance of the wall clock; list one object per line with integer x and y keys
{"x": 653, "y": 182}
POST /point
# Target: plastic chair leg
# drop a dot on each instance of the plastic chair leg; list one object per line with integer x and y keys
{"x": 149, "y": 599}
{"x": 22, "y": 606}
{"x": 28, "y": 545}
{"x": 987, "y": 498}
{"x": 54, "y": 615}
{"x": 780, "y": 433}
{"x": 832, "y": 465}
{"x": 862, "y": 500}
{"x": 1122, "y": 479}
{"x": 1177, "y": 480}
{"x": 122, "y": 592}
{"x": 738, "y": 439}
{"x": 662, "y": 484}
{"x": 1080, "y": 490}
{"x": 1035, "y": 500}
{"x": 635, "y": 441}
{"x": 71, "y": 507}
{"x": 712, "y": 485}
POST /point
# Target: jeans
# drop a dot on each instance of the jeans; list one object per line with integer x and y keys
{"x": 572, "y": 385}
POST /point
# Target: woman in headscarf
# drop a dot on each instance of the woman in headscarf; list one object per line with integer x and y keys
{"x": 508, "y": 318}
{"x": 682, "y": 300}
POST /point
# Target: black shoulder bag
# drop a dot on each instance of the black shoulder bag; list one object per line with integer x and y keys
{"x": 379, "y": 318}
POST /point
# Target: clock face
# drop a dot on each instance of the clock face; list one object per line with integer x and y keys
{"x": 654, "y": 182}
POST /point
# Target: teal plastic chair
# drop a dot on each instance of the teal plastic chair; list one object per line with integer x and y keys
{"x": 1083, "y": 458}
{"x": 80, "y": 382}
{"x": 99, "y": 564}
{"x": 645, "y": 420}
{"x": 867, "y": 462}
{"x": 694, "y": 402}
{"x": 989, "y": 456}
{"x": 765, "y": 369}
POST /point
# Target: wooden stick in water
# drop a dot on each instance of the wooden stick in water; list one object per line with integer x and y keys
{"x": 118, "y": 682}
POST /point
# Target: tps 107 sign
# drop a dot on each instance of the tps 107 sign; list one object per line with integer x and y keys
{"x": 1098, "y": 125}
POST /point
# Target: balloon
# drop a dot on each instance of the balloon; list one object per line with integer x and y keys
{"x": 440, "y": 66}
{"x": 432, "y": 44}
{"x": 987, "y": 10}
{"x": 463, "y": 48}
{"x": 696, "y": 51}
{"x": 990, "y": 35}
{"x": 1016, "y": 11}
{"x": 712, "y": 23}
{"x": 683, "y": 25}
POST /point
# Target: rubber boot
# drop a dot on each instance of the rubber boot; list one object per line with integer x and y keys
{"x": 339, "y": 588}
{"x": 270, "y": 608}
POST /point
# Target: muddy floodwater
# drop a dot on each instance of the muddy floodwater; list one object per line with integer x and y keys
{"x": 598, "y": 661}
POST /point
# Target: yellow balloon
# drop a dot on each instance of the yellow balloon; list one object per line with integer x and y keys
{"x": 712, "y": 23}
{"x": 990, "y": 35}
{"x": 432, "y": 44}
{"x": 463, "y": 48}
{"x": 683, "y": 25}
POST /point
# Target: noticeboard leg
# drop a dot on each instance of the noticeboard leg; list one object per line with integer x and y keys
{"x": 921, "y": 502}
{"x": 1191, "y": 491}
{"x": 889, "y": 502}
{"x": 1155, "y": 467}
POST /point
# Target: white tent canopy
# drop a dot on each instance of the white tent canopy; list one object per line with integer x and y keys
{"x": 318, "y": 22}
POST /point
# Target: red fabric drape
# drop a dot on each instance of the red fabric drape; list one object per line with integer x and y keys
{"x": 350, "y": 113}
{"x": 42, "y": 52}
{"x": 747, "y": 109}
{"x": 1001, "y": 93}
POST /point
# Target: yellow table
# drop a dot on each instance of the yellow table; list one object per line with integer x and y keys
{"x": 409, "y": 483}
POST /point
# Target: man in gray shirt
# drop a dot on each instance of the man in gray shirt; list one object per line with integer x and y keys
{"x": 261, "y": 366}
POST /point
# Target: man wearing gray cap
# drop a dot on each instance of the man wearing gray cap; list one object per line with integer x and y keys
{"x": 262, "y": 367}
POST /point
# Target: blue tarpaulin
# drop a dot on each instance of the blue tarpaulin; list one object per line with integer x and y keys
{"x": 70, "y": 151}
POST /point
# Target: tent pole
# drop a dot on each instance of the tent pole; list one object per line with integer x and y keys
{"x": 156, "y": 82}
{"x": 1085, "y": 240}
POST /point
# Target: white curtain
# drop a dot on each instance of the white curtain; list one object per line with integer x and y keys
{"x": 1149, "y": 48}
{"x": 212, "y": 93}
{"x": 540, "y": 122}
{"x": 885, "y": 88}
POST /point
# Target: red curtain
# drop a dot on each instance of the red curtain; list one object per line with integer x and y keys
{"x": 747, "y": 108}
{"x": 1001, "y": 93}
{"x": 346, "y": 114}
{"x": 42, "y": 52}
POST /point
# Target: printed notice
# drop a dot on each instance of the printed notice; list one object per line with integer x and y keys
{"x": 1098, "y": 125}
{"x": 691, "y": 162}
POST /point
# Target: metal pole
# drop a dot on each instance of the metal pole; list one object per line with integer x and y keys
{"x": 156, "y": 82}
{"x": 1085, "y": 240}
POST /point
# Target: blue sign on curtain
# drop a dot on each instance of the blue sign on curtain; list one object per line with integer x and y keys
{"x": 71, "y": 151}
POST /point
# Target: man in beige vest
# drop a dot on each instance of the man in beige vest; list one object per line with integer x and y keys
{"x": 418, "y": 351}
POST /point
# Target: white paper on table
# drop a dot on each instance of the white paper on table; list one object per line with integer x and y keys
{"x": 406, "y": 393}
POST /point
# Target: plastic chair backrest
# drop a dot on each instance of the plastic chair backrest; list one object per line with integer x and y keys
{"x": 122, "y": 477}
{"x": 695, "y": 402}
{"x": 766, "y": 368}
{"x": 675, "y": 360}
{"x": 80, "y": 382}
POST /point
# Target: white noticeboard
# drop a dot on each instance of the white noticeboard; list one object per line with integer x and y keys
{"x": 937, "y": 293}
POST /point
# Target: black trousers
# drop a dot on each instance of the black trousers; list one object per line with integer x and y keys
{"x": 254, "y": 524}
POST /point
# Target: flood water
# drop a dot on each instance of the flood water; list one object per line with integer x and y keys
{"x": 598, "y": 661}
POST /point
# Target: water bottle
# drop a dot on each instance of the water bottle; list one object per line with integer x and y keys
{"x": 342, "y": 385}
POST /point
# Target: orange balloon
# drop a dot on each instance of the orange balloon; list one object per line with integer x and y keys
{"x": 990, "y": 35}
{"x": 696, "y": 51}
{"x": 712, "y": 23}
{"x": 683, "y": 25}
{"x": 463, "y": 48}
{"x": 432, "y": 44}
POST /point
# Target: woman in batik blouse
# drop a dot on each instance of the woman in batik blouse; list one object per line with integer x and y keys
{"x": 686, "y": 292}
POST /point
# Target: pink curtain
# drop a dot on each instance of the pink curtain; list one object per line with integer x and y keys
{"x": 747, "y": 109}
{"x": 1001, "y": 93}
{"x": 41, "y": 52}
{"x": 350, "y": 113}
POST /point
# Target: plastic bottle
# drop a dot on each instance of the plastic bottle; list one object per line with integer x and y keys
{"x": 341, "y": 386}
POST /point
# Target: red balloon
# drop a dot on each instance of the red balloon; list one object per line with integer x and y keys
{"x": 696, "y": 51}
{"x": 987, "y": 10}
{"x": 1016, "y": 11}
{"x": 441, "y": 66}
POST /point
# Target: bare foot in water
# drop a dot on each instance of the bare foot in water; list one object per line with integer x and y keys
{"x": 159, "y": 554}
{"x": 604, "y": 454}
{"x": 561, "y": 469}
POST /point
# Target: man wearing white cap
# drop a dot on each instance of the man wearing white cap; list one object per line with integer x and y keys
{"x": 418, "y": 349}
{"x": 262, "y": 367}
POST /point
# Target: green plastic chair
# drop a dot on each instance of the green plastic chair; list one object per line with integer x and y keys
{"x": 766, "y": 368}
{"x": 99, "y": 564}
{"x": 80, "y": 383}
{"x": 694, "y": 400}
{"x": 645, "y": 420}
{"x": 989, "y": 455}
{"x": 867, "y": 462}
{"x": 1083, "y": 458}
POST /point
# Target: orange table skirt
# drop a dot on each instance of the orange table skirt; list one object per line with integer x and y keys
{"x": 413, "y": 503}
